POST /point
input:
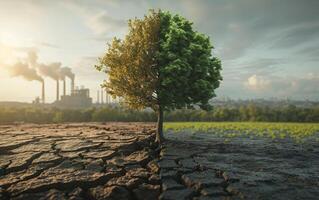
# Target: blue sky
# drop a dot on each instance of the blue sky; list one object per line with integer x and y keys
{"x": 268, "y": 48}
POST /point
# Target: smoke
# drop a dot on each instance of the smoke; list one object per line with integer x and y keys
{"x": 31, "y": 68}
{"x": 66, "y": 71}
{"x": 51, "y": 70}
{"x": 32, "y": 58}
{"x": 23, "y": 70}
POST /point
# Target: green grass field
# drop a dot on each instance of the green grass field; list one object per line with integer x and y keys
{"x": 299, "y": 132}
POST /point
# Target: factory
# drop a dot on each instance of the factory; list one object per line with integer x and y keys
{"x": 78, "y": 97}
{"x": 31, "y": 69}
{"x": 102, "y": 97}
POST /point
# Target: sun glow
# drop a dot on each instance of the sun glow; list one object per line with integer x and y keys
{"x": 11, "y": 46}
{"x": 7, "y": 54}
{"x": 9, "y": 39}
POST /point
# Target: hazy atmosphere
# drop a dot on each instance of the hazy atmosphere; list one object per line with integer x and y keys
{"x": 267, "y": 48}
{"x": 159, "y": 100}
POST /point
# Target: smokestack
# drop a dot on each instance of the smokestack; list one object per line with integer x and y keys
{"x": 57, "y": 90}
{"x": 64, "y": 88}
{"x": 72, "y": 85}
{"x": 43, "y": 93}
{"x": 98, "y": 97}
{"x": 102, "y": 96}
{"x": 67, "y": 72}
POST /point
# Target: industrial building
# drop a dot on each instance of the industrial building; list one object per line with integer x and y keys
{"x": 79, "y": 98}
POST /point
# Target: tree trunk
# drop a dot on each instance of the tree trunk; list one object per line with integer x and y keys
{"x": 159, "y": 133}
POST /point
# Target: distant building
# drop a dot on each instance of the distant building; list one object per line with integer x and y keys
{"x": 36, "y": 101}
{"x": 79, "y": 98}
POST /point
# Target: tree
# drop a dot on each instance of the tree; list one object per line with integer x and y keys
{"x": 162, "y": 63}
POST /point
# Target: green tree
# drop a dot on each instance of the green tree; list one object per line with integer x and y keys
{"x": 162, "y": 63}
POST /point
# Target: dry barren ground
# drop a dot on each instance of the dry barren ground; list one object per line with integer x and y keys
{"x": 121, "y": 161}
{"x": 78, "y": 161}
{"x": 243, "y": 168}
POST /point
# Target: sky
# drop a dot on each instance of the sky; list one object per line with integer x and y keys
{"x": 268, "y": 48}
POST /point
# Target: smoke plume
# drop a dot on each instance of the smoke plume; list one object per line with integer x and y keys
{"x": 23, "y": 70}
{"x": 52, "y": 70}
{"x": 32, "y": 58}
{"x": 66, "y": 71}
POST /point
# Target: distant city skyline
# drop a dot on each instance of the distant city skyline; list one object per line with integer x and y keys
{"x": 269, "y": 49}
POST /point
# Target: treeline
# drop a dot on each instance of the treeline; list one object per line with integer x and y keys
{"x": 55, "y": 115}
{"x": 250, "y": 112}
{"x": 243, "y": 113}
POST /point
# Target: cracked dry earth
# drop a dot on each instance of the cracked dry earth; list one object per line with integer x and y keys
{"x": 118, "y": 161}
{"x": 78, "y": 161}
{"x": 202, "y": 166}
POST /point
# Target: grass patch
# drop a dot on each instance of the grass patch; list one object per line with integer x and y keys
{"x": 299, "y": 132}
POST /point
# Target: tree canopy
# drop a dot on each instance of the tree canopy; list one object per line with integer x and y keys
{"x": 131, "y": 63}
{"x": 188, "y": 72}
{"x": 162, "y": 63}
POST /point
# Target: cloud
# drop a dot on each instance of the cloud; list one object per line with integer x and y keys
{"x": 261, "y": 63}
{"x": 297, "y": 35}
{"x": 262, "y": 66}
{"x": 101, "y": 38}
{"x": 97, "y": 19}
{"x": 18, "y": 48}
{"x": 304, "y": 87}
{"x": 238, "y": 28}
{"x": 10, "y": 54}
{"x": 46, "y": 44}
{"x": 310, "y": 52}
{"x": 257, "y": 83}
{"x": 239, "y": 71}
{"x": 101, "y": 24}
{"x": 85, "y": 67}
